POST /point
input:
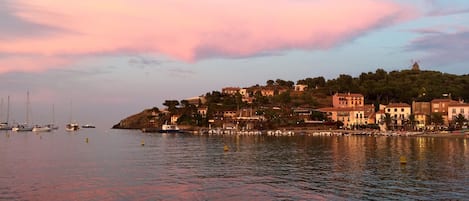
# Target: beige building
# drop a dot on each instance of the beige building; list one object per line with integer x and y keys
{"x": 399, "y": 112}
{"x": 350, "y": 116}
{"x": 454, "y": 109}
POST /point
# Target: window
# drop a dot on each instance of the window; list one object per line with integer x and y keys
{"x": 395, "y": 109}
{"x": 436, "y": 106}
{"x": 389, "y": 110}
{"x": 462, "y": 111}
{"x": 402, "y": 110}
{"x": 454, "y": 110}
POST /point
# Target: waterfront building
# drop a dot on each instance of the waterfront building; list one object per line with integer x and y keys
{"x": 456, "y": 108}
{"x": 350, "y": 116}
{"x": 441, "y": 106}
{"x": 421, "y": 120}
{"x": 421, "y": 108}
{"x": 399, "y": 113}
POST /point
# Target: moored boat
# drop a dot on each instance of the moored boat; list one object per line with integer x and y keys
{"x": 22, "y": 128}
{"x": 5, "y": 127}
{"x": 169, "y": 128}
{"x": 72, "y": 127}
{"x": 88, "y": 126}
{"x": 41, "y": 129}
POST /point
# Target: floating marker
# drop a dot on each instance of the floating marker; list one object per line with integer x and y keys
{"x": 226, "y": 148}
{"x": 143, "y": 143}
{"x": 403, "y": 160}
{"x": 86, "y": 140}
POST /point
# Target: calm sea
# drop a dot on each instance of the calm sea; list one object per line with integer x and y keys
{"x": 113, "y": 165}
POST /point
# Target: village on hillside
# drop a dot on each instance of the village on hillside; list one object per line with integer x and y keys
{"x": 236, "y": 108}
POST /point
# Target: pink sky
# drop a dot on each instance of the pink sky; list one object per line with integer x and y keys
{"x": 187, "y": 30}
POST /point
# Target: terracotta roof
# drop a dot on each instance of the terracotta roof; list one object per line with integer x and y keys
{"x": 458, "y": 104}
{"x": 442, "y": 100}
{"x": 349, "y": 109}
{"x": 349, "y": 94}
{"x": 397, "y": 105}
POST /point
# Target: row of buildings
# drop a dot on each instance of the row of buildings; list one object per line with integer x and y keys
{"x": 350, "y": 109}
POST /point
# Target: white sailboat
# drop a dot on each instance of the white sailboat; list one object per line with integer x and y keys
{"x": 25, "y": 126}
{"x": 71, "y": 126}
{"x": 41, "y": 129}
{"x": 52, "y": 126}
{"x": 6, "y": 125}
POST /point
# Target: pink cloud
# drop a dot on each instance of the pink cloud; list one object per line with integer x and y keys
{"x": 191, "y": 30}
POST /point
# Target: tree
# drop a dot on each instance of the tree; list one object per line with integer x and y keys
{"x": 460, "y": 120}
{"x": 437, "y": 119}
{"x": 171, "y": 104}
{"x": 412, "y": 121}
{"x": 387, "y": 120}
{"x": 270, "y": 82}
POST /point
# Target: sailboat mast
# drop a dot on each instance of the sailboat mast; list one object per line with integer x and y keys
{"x": 8, "y": 110}
{"x": 27, "y": 108}
{"x": 1, "y": 110}
{"x": 71, "y": 112}
{"x": 53, "y": 114}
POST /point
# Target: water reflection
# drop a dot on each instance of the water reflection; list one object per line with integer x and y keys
{"x": 114, "y": 166}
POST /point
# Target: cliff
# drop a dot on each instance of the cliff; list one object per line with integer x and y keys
{"x": 146, "y": 118}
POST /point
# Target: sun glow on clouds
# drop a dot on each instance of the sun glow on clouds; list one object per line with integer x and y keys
{"x": 190, "y": 30}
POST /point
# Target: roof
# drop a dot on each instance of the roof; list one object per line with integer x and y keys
{"x": 442, "y": 100}
{"x": 458, "y": 104}
{"x": 397, "y": 105}
{"x": 349, "y": 94}
{"x": 342, "y": 109}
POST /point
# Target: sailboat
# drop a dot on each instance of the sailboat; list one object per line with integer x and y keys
{"x": 24, "y": 127}
{"x": 52, "y": 126}
{"x": 71, "y": 126}
{"x": 6, "y": 125}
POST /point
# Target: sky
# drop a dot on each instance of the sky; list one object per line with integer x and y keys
{"x": 101, "y": 61}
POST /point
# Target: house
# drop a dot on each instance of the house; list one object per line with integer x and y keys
{"x": 197, "y": 100}
{"x": 454, "y": 109}
{"x": 350, "y": 116}
{"x": 348, "y": 100}
{"x": 300, "y": 87}
{"x": 421, "y": 120}
{"x": 174, "y": 118}
{"x": 202, "y": 111}
{"x": 441, "y": 106}
{"x": 399, "y": 113}
{"x": 230, "y": 114}
{"x": 421, "y": 108}
{"x": 230, "y": 90}
{"x": 267, "y": 92}
{"x": 244, "y": 92}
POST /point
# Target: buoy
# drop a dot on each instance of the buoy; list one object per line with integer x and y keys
{"x": 86, "y": 140}
{"x": 226, "y": 148}
{"x": 143, "y": 143}
{"x": 403, "y": 160}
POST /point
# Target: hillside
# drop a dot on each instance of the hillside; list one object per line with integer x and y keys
{"x": 379, "y": 87}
